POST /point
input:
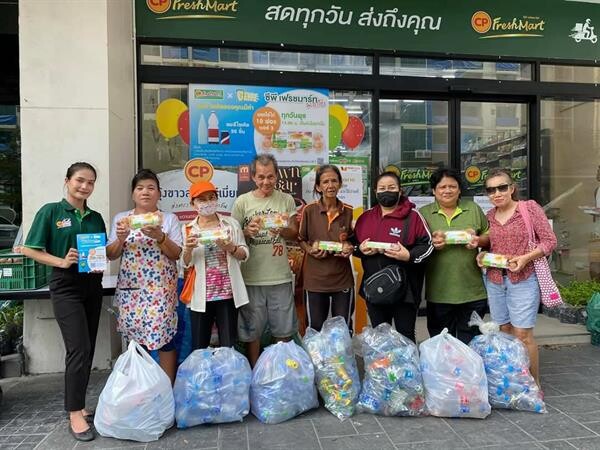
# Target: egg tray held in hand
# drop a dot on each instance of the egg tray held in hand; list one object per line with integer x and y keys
{"x": 144, "y": 220}
{"x": 495, "y": 260}
{"x": 328, "y": 246}
{"x": 211, "y": 235}
{"x": 273, "y": 221}
{"x": 458, "y": 237}
{"x": 337, "y": 375}
{"x": 393, "y": 385}
{"x": 510, "y": 384}
{"x": 379, "y": 246}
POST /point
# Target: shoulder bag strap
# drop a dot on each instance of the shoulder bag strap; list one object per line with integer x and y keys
{"x": 526, "y": 218}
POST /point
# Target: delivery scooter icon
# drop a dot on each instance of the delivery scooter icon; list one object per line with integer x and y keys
{"x": 584, "y": 32}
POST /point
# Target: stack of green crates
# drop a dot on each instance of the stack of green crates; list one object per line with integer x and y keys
{"x": 17, "y": 271}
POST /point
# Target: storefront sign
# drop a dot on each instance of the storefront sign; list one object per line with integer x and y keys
{"x": 536, "y": 28}
{"x": 229, "y": 125}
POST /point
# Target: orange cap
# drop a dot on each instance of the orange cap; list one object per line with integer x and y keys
{"x": 200, "y": 187}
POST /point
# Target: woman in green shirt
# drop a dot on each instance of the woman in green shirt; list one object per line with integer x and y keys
{"x": 76, "y": 297}
{"x": 453, "y": 281}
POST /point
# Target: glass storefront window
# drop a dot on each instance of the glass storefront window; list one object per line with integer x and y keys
{"x": 570, "y": 181}
{"x": 413, "y": 140}
{"x": 454, "y": 68}
{"x": 159, "y": 153}
{"x": 10, "y": 175}
{"x": 493, "y": 135}
{"x": 164, "y": 55}
{"x": 569, "y": 74}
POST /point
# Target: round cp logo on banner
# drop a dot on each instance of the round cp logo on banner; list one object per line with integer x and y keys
{"x": 158, "y": 6}
{"x": 198, "y": 169}
{"x": 481, "y": 22}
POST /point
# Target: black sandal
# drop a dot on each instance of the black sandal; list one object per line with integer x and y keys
{"x": 84, "y": 436}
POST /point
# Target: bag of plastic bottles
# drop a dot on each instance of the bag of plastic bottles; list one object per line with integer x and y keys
{"x": 137, "y": 400}
{"x": 212, "y": 386}
{"x": 337, "y": 376}
{"x": 593, "y": 313}
{"x": 510, "y": 384}
{"x": 454, "y": 378}
{"x": 283, "y": 383}
{"x": 393, "y": 385}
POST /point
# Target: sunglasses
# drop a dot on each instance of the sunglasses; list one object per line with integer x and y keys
{"x": 500, "y": 188}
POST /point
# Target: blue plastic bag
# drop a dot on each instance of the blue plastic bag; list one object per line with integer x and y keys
{"x": 393, "y": 385}
{"x": 212, "y": 386}
{"x": 337, "y": 376}
{"x": 510, "y": 384}
{"x": 283, "y": 383}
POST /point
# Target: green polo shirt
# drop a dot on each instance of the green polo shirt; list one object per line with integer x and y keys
{"x": 56, "y": 226}
{"x": 452, "y": 275}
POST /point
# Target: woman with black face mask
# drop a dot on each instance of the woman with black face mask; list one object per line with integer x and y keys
{"x": 394, "y": 239}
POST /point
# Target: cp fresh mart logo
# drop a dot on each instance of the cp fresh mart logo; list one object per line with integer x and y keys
{"x": 480, "y": 21}
{"x": 158, "y": 6}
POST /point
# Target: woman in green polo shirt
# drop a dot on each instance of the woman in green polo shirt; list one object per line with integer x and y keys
{"x": 76, "y": 297}
{"x": 453, "y": 282}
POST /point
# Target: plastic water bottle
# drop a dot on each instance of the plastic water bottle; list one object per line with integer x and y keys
{"x": 202, "y": 130}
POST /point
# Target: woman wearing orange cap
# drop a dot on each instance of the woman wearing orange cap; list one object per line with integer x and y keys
{"x": 214, "y": 247}
{"x": 149, "y": 244}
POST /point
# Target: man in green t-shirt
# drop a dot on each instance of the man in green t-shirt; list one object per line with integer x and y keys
{"x": 267, "y": 217}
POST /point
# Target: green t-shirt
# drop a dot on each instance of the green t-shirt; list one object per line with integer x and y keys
{"x": 452, "y": 275}
{"x": 268, "y": 263}
{"x": 56, "y": 226}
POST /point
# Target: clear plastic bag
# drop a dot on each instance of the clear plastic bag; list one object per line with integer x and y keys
{"x": 454, "y": 378}
{"x": 337, "y": 376}
{"x": 283, "y": 383}
{"x": 510, "y": 384}
{"x": 137, "y": 401}
{"x": 212, "y": 386}
{"x": 393, "y": 385}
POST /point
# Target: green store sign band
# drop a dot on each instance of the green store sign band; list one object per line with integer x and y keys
{"x": 536, "y": 28}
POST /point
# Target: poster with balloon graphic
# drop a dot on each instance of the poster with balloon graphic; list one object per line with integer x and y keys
{"x": 229, "y": 124}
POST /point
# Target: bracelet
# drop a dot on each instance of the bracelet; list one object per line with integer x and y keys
{"x": 162, "y": 240}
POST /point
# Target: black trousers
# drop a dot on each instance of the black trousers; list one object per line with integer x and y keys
{"x": 404, "y": 316}
{"x": 222, "y": 312}
{"x": 77, "y": 302}
{"x": 318, "y": 305}
{"x": 455, "y": 318}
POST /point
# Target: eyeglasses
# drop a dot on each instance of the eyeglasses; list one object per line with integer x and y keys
{"x": 500, "y": 188}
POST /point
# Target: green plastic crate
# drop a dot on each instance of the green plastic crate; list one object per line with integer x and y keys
{"x": 17, "y": 271}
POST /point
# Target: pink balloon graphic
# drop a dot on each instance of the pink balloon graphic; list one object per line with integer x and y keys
{"x": 183, "y": 125}
{"x": 354, "y": 132}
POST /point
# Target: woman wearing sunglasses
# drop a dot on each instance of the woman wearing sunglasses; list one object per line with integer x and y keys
{"x": 514, "y": 293}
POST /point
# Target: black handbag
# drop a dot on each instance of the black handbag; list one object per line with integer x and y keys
{"x": 388, "y": 285}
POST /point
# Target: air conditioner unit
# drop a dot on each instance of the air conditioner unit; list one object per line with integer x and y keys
{"x": 423, "y": 154}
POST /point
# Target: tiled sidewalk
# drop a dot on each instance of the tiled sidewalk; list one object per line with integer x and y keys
{"x": 31, "y": 416}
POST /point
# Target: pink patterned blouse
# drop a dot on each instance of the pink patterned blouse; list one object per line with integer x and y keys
{"x": 512, "y": 239}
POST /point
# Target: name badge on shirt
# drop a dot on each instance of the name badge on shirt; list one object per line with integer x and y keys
{"x": 63, "y": 223}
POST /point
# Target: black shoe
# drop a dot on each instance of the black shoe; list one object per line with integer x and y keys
{"x": 89, "y": 418}
{"x": 84, "y": 436}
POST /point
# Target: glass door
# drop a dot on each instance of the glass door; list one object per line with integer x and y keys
{"x": 413, "y": 141}
{"x": 493, "y": 135}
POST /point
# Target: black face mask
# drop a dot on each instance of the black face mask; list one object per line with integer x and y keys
{"x": 387, "y": 199}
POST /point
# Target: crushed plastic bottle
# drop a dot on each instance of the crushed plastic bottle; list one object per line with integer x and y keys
{"x": 337, "y": 375}
{"x": 283, "y": 383}
{"x": 393, "y": 385}
{"x": 510, "y": 384}
{"x": 212, "y": 386}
